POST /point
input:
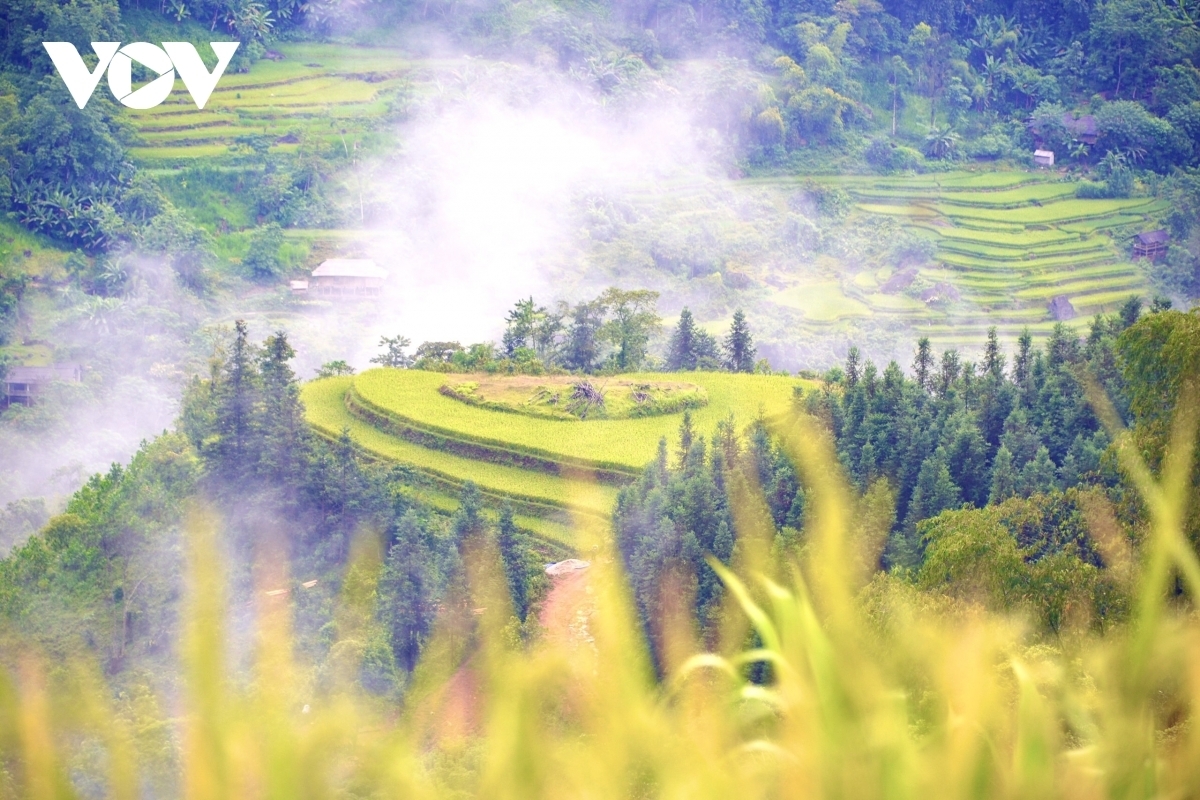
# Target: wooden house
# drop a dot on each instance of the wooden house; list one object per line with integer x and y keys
{"x": 1082, "y": 129}
{"x": 347, "y": 277}
{"x": 1151, "y": 244}
{"x": 23, "y": 384}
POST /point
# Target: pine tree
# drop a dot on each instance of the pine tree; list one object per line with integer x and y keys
{"x": 583, "y": 337}
{"x": 237, "y": 401}
{"x": 993, "y": 357}
{"x": 1023, "y": 365}
{"x": 967, "y": 457}
{"x": 468, "y": 520}
{"x": 687, "y": 435}
{"x": 739, "y": 345}
{"x": 923, "y": 363}
{"x": 512, "y": 556}
{"x": 935, "y": 491}
{"x": 691, "y": 346}
{"x": 1020, "y": 438}
{"x": 1039, "y": 475}
{"x": 852, "y": 368}
{"x": 948, "y": 374}
{"x": 406, "y": 604}
{"x": 283, "y": 426}
{"x": 1005, "y": 478}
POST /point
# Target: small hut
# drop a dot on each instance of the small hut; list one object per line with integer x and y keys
{"x": 1151, "y": 244}
{"x": 22, "y": 385}
{"x": 1043, "y": 158}
{"x": 1082, "y": 129}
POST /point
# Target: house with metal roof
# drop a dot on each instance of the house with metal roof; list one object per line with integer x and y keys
{"x": 346, "y": 278}
{"x": 1151, "y": 244}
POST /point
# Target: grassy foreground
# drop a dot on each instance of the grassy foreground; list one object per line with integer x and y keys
{"x": 873, "y": 690}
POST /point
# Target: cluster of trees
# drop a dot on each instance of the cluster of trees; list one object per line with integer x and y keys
{"x": 982, "y": 73}
{"x": 962, "y": 432}
{"x": 613, "y": 333}
{"x": 106, "y": 574}
{"x": 987, "y": 477}
{"x": 692, "y": 347}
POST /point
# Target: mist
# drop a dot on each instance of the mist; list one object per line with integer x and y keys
{"x": 479, "y": 208}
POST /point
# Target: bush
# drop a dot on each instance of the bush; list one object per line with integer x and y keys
{"x": 1180, "y": 271}
{"x": 1125, "y": 126}
{"x": 262, "y": 262}
{"x": 887, "y": 156}
{"x": 1092, "y": 190}
{"x": 988, "y": 147}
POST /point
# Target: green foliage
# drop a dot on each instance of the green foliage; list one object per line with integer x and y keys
{"x": 1035, "y": 555}
{"x": 331, "y": 369}
{"x": 691, "y": 347}
{"x": 12, "y": 289}
{"x": 262, "y": 262}
{"x": 393, "y": 354}
{"x": 888, "y": 156}
{"x": 739, "y": 345}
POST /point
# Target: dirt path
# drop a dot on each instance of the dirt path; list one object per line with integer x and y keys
{"x": 566, "y": 613}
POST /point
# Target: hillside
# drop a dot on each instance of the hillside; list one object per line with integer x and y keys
{"x": 546, "y": 466}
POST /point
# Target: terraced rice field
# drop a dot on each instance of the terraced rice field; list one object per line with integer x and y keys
{"x": 325, "y": 90}
{"x": 546, "y": 467}
{"x": 1007, "y": 244}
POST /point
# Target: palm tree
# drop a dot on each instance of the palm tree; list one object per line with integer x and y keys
{"x": 941, "y": 142}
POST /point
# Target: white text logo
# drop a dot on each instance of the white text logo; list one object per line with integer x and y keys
{"x": 164, "y": 61}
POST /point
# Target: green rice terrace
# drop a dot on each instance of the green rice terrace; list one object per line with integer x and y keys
{"x": 545, "y": 466}
{"x": 322, "y": 89}
{"x": 1007, "y": 244}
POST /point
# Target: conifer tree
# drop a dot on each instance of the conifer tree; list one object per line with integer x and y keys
{"x": 1023, "y": 365}
{"x": 283, "y": 426}
{"x": 993, "y": 357}
{"x": 1039, "y": 474}
{"x": 687, "y": 435}
{"x": 949, "y": 373}
{"x": 935, "y": 490}
{"x": 682, "y": 353}
{"x": 691, "y": 346}
{"x": 237, "y": 398}
{"x": 512, "y": 556}
{"x": 739, "y": 345}
{"x": 406, "y": 605}
{"x": 1005, "y": 478}
{"x": 583, "y": 336}
{"x": 923, "y": 363}
{"x": 852, "y": 368}
{"x": 468, "y": 520}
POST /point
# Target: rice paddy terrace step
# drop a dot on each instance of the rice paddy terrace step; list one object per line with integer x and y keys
{"x": 1011, "y": 246}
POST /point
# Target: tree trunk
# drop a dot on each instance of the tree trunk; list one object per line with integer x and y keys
{"x": 895, "y": 88}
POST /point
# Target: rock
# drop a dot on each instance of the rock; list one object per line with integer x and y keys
{"x": 1061, "y": 308}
